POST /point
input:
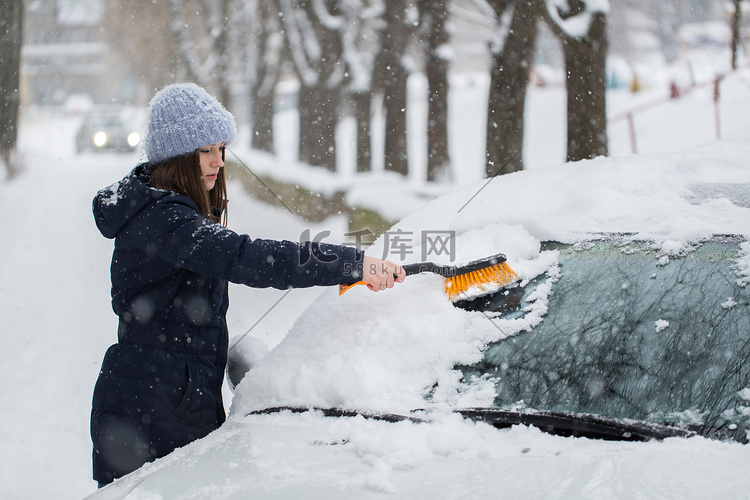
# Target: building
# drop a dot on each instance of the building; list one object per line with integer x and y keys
{"x": 65, "y": 55}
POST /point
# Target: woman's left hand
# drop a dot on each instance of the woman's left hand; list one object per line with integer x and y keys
{"x": 381, "y": 274}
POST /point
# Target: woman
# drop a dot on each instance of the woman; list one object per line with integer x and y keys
{"x": 160, "y": 386}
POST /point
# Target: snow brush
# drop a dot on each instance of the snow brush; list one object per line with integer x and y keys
{"x": 459, "y": 279}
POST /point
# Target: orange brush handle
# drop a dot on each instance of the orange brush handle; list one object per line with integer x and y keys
{"x": 343, "y": 288}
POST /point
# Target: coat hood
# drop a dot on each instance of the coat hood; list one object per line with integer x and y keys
{"x": 115, "y": 205}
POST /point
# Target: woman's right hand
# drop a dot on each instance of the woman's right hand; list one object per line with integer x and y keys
{"x": 381, "y": 274}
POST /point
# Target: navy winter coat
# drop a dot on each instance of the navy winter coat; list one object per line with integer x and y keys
{"x": 160, "y": 386}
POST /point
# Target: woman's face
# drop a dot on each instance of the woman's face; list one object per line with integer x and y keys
{"x": 211, "y": 160}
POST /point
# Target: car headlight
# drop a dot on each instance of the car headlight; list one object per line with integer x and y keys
{"x": 100, "y": 139}
{"x": 133, "y": 139}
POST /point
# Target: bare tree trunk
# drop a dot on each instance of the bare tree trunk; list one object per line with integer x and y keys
{"x": 219, "y": 31}
{"x": 267, "y": 52}
{"x": 585, "y": 64}
{"x": 318, "y": 116}
{"x": 507, "y": 100}
{"x": 736, "y": 31}
{"x": 362, "y": 104}
{"x": 11, "y": 23}
{"x": 361, "y": 35}
{"x": 262, "y": 119}
{"x": 438, "y": 161}
{"x": 312, "y": 34}
{"x": 394, "y": 104}
{"x": 391, "y": 77}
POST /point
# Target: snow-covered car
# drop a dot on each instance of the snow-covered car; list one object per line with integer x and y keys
{"x": 107, "y": 129}
{"x": 617, "y": 366}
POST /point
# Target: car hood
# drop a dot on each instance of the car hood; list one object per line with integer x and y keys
{"x": 308, "y": 455}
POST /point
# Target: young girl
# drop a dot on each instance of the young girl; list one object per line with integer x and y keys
{"x": 159, "y": 387}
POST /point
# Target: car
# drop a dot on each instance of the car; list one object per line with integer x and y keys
{"x": 106, "y": 129}
{"x": 617, "y": 365}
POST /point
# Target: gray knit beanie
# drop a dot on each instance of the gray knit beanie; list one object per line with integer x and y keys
{"x": 184, "y": 117}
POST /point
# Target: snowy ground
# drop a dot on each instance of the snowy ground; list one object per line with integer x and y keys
{"x": 54, "y": 283}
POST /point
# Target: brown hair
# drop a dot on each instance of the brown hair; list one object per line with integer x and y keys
{"x": 182, "y": 174}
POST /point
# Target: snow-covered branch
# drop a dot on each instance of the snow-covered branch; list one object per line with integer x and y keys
{"x": 503, "y": 30}
{"x": 328, "y": 20}
{"x": 187, "y": 49}
{"x": 292, "y": 19}
{"x": 483, "y": 15}
{"x": 575, "y": 21}
{"x": 361, "y": 42}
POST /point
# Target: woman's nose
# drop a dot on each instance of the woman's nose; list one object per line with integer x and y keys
{"x": 217, "y": 161}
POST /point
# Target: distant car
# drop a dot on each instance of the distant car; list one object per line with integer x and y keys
{"x": 618, "y": 366}
{"x": 105, "y": 129}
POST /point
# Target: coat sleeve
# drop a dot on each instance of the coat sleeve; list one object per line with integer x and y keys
{"x": 188, "y": 240}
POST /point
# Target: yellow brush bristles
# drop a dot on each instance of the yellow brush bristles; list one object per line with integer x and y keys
{"x": 496, "y": 276}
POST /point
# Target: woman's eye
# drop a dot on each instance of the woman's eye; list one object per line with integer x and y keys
{"x": 205, "y": 150}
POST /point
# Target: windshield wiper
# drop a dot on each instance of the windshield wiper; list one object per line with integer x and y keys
{"x": 576, "y": 424}
{"x": 562, "y": 423}
{"x": 558, "y": 423}
{"x": 338, "y": 412}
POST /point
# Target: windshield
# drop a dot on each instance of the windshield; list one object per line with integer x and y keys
{"x": 630, "y": 334}
{"x": 105, "y": 121}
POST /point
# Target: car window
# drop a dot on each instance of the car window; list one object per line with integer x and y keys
{"x": 631, "y": 334}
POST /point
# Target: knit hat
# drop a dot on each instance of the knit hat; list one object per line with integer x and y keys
{"x": 184, "y": 117}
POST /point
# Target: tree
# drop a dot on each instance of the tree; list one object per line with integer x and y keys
{"x": 312, "y": 31}
{"x": 390, "y": 80}
{"x": 11, "y": 23}
{"x": 265, "y": 60}
{"x": 737, "y": 4}
{"x": 512, "y": 61}
{"x": 361, "y": 37}
{"x": 582, "y": 27}
{"x": 202, "y": 29}
{"x": 433, "y": 18}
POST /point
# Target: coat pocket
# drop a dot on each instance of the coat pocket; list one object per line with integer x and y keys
{"x": 187, "y": 391}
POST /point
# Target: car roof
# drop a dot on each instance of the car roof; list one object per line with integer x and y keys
{"x": 679, "y": 197}
{"x": 737, "y": 193}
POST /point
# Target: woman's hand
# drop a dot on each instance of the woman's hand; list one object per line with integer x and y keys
{"x": 381, "y": 274}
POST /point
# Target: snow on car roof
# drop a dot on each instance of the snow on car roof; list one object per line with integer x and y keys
{"x": 671, "y": 197}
